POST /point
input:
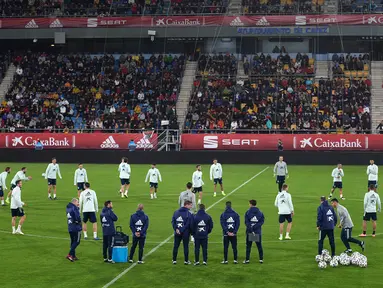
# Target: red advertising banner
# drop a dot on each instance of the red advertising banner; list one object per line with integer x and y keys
{"x": 302, "y": 142}
{"x": 190, "y": 21}
{"x": 77, "y": 141}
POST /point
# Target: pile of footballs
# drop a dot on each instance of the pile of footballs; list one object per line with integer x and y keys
{"x": 343, "y": 259}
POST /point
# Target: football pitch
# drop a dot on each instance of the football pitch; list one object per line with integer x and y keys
{"x": 37, "y": 259}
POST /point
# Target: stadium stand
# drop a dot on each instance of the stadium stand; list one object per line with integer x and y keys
{"x": 282, "y": 64}
{"x": 277, "y": 102}
{"x": 282, "y": 6}
{"x": 78, "y": 92}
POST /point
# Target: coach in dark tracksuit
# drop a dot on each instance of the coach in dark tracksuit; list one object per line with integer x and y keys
{"x": 139, "y": 223}
{"x": 108, "y": 218}
{"x": 254, "y": 220}
{"x": 74, "y": 228}
{"x": 202, "y": 226}
{"x": 230, "y": 223}
{"x": 181, "y": 222}
{"x": 326, "y": 220}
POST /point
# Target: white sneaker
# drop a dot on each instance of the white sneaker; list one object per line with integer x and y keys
{"x": 14, "y": 232}
{"x": 223, "y": 193}
{"x": 174, "y": 262}
{"x": 215, "y": 194}
{"x": 199, "y": 201}
{"x": 122, "y": 195}
{"x": 288, "y": 237}
{"x": 19, "y": 232}
{"x": 155, "y": 195}
{"x": 280, "y": 238}
{"x": 151, "y": 196}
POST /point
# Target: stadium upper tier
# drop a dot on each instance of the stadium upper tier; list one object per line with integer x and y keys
{"x": 82, "y": 92}
{"x": 279, "y": 102}
{"x": 57, "y": 8}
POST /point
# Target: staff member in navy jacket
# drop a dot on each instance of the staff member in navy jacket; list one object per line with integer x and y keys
{"x": 139, "y": 223}
{"x": 254, "y": 220}
{"x": 326, "y": 221}
{"x": 181, "y": 222}
{"x": 202, "y": 226}
{"x": 108, "y": 218}
{"x": 230, "y": 223}
{"x": 74, "y": 227}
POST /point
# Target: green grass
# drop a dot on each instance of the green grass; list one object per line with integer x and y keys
{"x": 38, "y": 260}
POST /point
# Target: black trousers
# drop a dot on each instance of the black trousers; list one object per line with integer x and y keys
{"x": 226, "y": 242}
{"x": 141, "y": 244}
{"x": 198, "y": 243}
{"x": 259, "y": 246}
{"x": 322, "y": 236}
{"x": 177, "y": 241}
{"x": 346, "y": 238}
{"x": 75, "y": 238}
{"x": 107, "y": 246}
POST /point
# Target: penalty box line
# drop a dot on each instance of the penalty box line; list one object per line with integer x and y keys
{"x": 172, "y": 235}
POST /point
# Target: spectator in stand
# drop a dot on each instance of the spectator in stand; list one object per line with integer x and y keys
{"x": 80, "y": 92}
{"x": 282, "y": 7}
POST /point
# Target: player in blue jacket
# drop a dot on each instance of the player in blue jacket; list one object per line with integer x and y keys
{"x": 139, "y": 223}
{"x": 181, "y": 222}
{"x": 326, "y": 221}
{"x": 230, "y": 223}
{"x": 254, "y": 220}
{"x": 108, "y": 218}
{"x": 74, "y": 227}
{"x": 202, "y": 226}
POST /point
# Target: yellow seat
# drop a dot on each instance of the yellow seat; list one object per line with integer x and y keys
{"x": 365, "y": 74}
{"x": 366, "y": 67}
{"x": 341, "y": 66}
{"x": 285, "y": 67}
{"x": 311, "y": 61}
{"x": 353, "y": 74}
{"x": 347, "y": 73}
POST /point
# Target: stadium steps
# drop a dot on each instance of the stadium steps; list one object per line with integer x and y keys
{"x": 7, "y": 81}
{"x": 235, "y": 7}
{"x": 322, "y": 69}
{"x": 377, "y": 93}
{"x": 330, "y": 7}
{"x": 185, "y": 92}
{"x": 241, "y": 72}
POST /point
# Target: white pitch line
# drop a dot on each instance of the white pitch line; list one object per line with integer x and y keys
{"x": 172, "y": 235}
{"x": 168, "y": 242}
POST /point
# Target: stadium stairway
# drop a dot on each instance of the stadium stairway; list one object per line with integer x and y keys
{"x": 185, "y": 92}
{"x": 235, "y": 7}
{"x": 377, "y": 93}
{"x": 330, "y": 7}
{"x": 7, "y": 81}
{"x": 322, "y": 70}
{"x": 241, "y": 72}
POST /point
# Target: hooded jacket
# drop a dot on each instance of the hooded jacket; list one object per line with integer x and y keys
{"x": 139, "y": 222}
{"x": 202, "y": 225}
{"x": 73, "y": 218}
{"x": 108, "y": 218}
{"x": 230, "y": 221}
{"x": 326, "y": 219}
{"x": 254, "y": 220}
{"x": 182, "y": 220}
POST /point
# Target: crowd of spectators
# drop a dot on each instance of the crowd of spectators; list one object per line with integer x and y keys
{"x": 283, "y": 6}
{"x": 350, "y": 63}
{"x": 20, "y": 8}
{"x": 199, "y": 6}
{"x": 25, "y": 8}
{"x": 290, "y": 105}
{"x": 223, "y": 65}
{"x": 84, "y": 92}
{"x": 4, "y": 62}
{"x": 283, "y": 64}
{"x": 360, "y": 6}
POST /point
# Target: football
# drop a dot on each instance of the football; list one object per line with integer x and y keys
{"x": 318, "y": 258}
{"x": 334, "y": 263}
{"x": 322, "y": 265}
